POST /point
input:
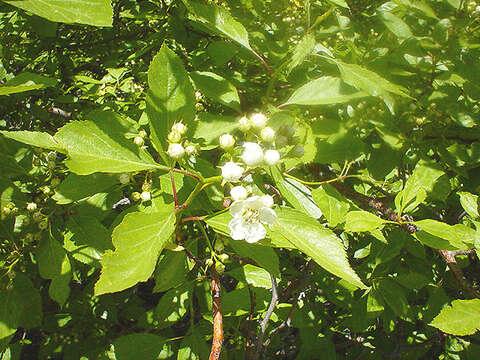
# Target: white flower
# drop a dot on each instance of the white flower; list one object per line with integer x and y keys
{"x": 180, "y": 128}
{"x": 176, "y": 151}
{"x": 31, "y": 207}
{"x": 145, "y": 196}
{"x": 190, "y": 150}
{"x": 249, "y": 217}
{"x": 258, "y": 120}
{"x": 124, "y": 178}
{"x": 226, "y": 141}
{"x": 138, "y": 140}
{"x": 271, "y": 157}
{"x": 238, "y": 193}
{"x": 232, "y": 172}
{"x": 267, "y": 134}
{"x": 174, "y": 137}
{"x": 244, "y": 124}
{"x": 252, "y": 154}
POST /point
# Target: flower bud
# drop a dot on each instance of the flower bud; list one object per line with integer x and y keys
{"x": 267, "y": 200}
{"x": 267, "y": 134}
{"x": 271, "y": 157}
{"x": 51, "y": 164}
{"x": 52, "y": 156}
{"x": 219, "y": 267}
{"x": 138, "y": 140}
{"x": 223, "y": 257}
{"x": 37, "y": 216}
{"x": 219, "y": 246}
{"x": 142, "y": 133}
{"x": 28, "y": 237}
{"x": 31, "y": 207}
{"x": 174, "y": 137}
{"x": 238, "y": 193}
{"x": 124, "y": 178}
{"x": 244, "y": 124}
{"x": 146, "y": 196}
{"x": 199, "y": 107}
{"x": 191, "y": 150}
{"x": 46, "y": 190}
{"x": 176, "y": 151}
{"x": 42, "y": 225}
{"x": 258, "y": 120}
{"x": 232, "y": 172}
{"x": 135, "y": 196}
{"x": 252, "y": 154}
{"x": 209, "y": 262}
{"x": 198, "y": 95}
{"x": 180, "y": 128}
{"x": 226, "y": 141}
{"x": 297, "y": 151}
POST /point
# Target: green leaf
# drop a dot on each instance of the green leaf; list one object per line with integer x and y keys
{"x": 26, "y": 82}
{"x": 341, "y": 3}
{"x": 173, "y": 305}
{"x": 316, "y": 241}
{"x": 193, "y": 347}
{"x": 217, "y": 88}
{"x": 138, "y": 241}
{"x": 455, "y": 235}
{"x": 469, "y": 203}
{"x": 297, "y": 194}
{"x": 34, "y": 138}
{"x": 301, "y": 51}
{"x": 9, "y": 166}
{"x": 396, "y": 25}
{"x": 264, "y": 256}
{"x": 394, "y": 296}
{"x": 252, "y": 275}
{"x": 333, "y": 205}
{"x": 77, "y": 188}
{"x": 370, "y": 82}
{"x": 461, "y": 318}
{"x": 171, "y": 96}
{"x": 101, "y": 146}
{"x": 357, "y": 221}
{"x": 171, "y": 271}
{"x": 211, "y": 126}
{"x": 138, "y": 346}
{"x": 322, "y": 91}
{"x": 53, "y": 263}
{"x": 218, "y": 21}
{"x": 86, "y": 239}
{"x": 90, "y": 12}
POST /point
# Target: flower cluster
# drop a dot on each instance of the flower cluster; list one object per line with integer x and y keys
{"x": 177, "y": 149}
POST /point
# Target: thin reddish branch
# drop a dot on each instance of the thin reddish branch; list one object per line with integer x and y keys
{"x": 187, "y": 174}
{"x": 217, "y": 316}
{"x": 192, "y": 218}
{"x": 262, "y": 60}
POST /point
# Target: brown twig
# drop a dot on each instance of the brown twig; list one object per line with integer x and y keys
{"x": 217, "y": 316}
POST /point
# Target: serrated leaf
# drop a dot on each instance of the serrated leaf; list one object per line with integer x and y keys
{"x": 217, "y": 89}
{"x": 316, "y": 241}
{"x": 322, "y": 91}
{"x": 76, "y": 188}
{"x": 301, "y": 51}
{"x": 138, "y": 346}
{"x": 26, "y": 82}
{"x": 357, "y": 221}
{"x": 396, "y": 25}
{"x": 455, "y": 235}
{"x": 461, "y": 318}
{"x": 34, "y": 138}
{"x": 90, "y": 12}
{"x": 218, "y": 21}
{"x": 86, "y": 239}
{"x": 333, "y": 205}
{"x": 170, "y": 98}
{"x": 370, "y": 82}
{"x": 101, "y": 146}
{"x": 138, "y": 241}
{"x": 469, "y": 203}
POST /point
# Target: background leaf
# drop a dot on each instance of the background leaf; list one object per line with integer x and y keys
{"x": 461, "y": 318}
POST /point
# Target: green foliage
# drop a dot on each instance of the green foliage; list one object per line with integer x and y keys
{"x": 119, "y": 204}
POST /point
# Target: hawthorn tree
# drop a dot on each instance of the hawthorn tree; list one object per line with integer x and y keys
{"x": 186, "y": 179}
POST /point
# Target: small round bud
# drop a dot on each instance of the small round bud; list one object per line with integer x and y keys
{"x": 42, "y": 225}
{"x": 281, "y": 141}
{"x": 138, "y": 140}
{"x": 238, "y": 193}
{"x": 198, "y": 95}
{"x": 267, "y": 200}
{"x": 146, "y": 196}
{"x": 26, "y": 221}
{"x": 223, "y": 257}
{"x": 124, "y": 178}
{"x": 142, "y": 133}
{"x": 267, "y": 134}
{"x": 219, "y": 246}
{"x": 232, "y": 172}
{"x": 51, "y": 156}
{"x": 176, "y": 151}
{"x": 31, "y": 207}
{"x": 28, "y": 237}
{"x": 350, "y": 111}
{"x": 297, "y": 151}
{"x": 174, "y": 137}
{"x": 271, "y": 157}
{"x": 199, "y": 107}
{"x": 252, "y": 154}
{"x": 51, "y": 164}
{"x": 190, "y": 150}
{"x": 146, "y": 186}
{"x": 135, "y": 196}
{"x": 258, "y": 120}
{"x": 180, "y": 128}
{"x": 6, "y": 211}
{"x": 244, "y": 124}
{"x": 55, "y": 182}
{"x": 46, "y": 190}
{"x": 209, "y": 262}
{"x": 37, "y": 216}
{"x": 219, "y": 267}
{"x": 226, "y": 141}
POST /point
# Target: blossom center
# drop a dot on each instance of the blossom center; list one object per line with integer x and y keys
{"x": 250, "y": 216}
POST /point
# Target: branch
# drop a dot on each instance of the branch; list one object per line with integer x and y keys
{"x": 268, "y": 314}
{"x": 217, "y": 316}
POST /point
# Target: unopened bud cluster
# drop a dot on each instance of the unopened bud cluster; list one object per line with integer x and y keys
{"x": 179, "y": 147}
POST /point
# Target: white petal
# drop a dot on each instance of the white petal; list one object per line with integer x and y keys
{"x": 236, "y": 208}
{"x": 254, "y": 232}
{"x": 237, "y": 229}
{"x": 267, "y": 216}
